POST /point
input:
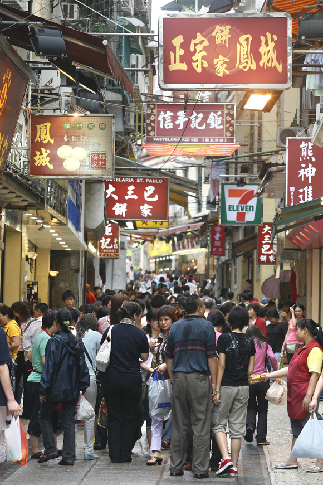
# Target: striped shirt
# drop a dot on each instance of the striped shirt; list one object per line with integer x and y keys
{"x": 191, "y": 342}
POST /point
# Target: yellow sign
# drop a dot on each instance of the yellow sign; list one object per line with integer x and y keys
{"x": 159, "y": 247}
{"x": 150, "y": 224}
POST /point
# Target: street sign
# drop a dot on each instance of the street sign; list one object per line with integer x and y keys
{"x": 239, "y": 206}
{"x": 266, "y": 251}
{"x": 217, "y": 241}
{"x": 225, "y": 51}
{"x": 137, "y": 198}
{"x": 109, "y": 243}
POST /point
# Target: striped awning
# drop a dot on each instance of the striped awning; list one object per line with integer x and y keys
{"x": 182, "y": 150}
{"x": 296, "y": 8}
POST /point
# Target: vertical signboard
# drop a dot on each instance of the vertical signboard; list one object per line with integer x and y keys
{"x": 109, "y": 244}
{"x": 304, "y": 171}
{"x": 266, "y": 251}
{"x": 217, "y": 241}
{"x": 239, "y": 206}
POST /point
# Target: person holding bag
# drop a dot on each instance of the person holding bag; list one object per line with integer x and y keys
{"x": 302, "y": 374}
{"x": 122, "y": 388}
{"x": 257, "y": 402}
{"x": 166, "y": 316}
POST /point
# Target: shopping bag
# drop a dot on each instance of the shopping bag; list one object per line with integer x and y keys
{"x": 85, "y": 410}
{"x": 13, "y": 440}
{"x": 103, "y": 356}
{"x": 277, "y": 393}
{"x": 24, "y": 447}
{"x": 281, "y": 362}
{"x": 160, "y": 396}
{"x": 309, "y": 443}
{"x": 103, "y": 415}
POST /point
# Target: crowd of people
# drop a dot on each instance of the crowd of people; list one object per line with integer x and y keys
{"x": 163, "y": 327}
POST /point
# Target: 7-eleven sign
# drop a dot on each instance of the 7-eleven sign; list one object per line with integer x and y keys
{"x": 239, "y": 206}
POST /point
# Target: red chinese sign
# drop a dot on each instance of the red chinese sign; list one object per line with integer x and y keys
{"x": 220, "y": 51}
{"x": 189, "y": 242}
{"x": 109, "y": 244}
{"x": 217, "y": 241}
{"x": 72, "y": 146}
{"x": 266, "y": 251}
{"x": 12, "y": 90}
{"x": 203, "y": 123}
{"x": 304, "y": 172}
{"x": 137, "y": 198}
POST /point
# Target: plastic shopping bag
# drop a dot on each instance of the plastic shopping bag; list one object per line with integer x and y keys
{"x": 85, "y": 410}
{"x": 103, "y": 415}
{"x": 160, "y": 396}
{"x": 13, "y": 440}
{"x": 277, "y": 393}
{"x": 24, "y": 447}
{"x": 103, "y": 356}
{"x": 309, "y": 443}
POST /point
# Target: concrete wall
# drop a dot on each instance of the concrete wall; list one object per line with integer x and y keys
{"x": 42, "y": 274}
{"x": 12, "y": 267}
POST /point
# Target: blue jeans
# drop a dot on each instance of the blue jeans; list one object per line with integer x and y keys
{"x": 167, "y": 433}
{"x": 277, "y": 355}
{"x": 68, "y": 413}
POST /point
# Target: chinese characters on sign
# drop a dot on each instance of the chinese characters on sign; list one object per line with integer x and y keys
{"x": 266, "y": 250}
{"x": 190, "y": 242}
{"x": 137, "y": 198}
{"x": 12, "y": 89}
{"x": 154, "y": 224}
{"x": 239, "y": 206}
{"x": 251, "y": 50}
{"x": 109, "y": 244}
{"x": 68, "y": 146}
{"x": 217, "y": 241}
{"x": 203, "y": 123}
{"x": 304, "y": 172}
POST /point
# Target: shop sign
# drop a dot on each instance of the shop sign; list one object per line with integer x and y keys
{"x": 188, "y": 242}
{"x": 266, "y": 251}
{"x": 193, "y": 96}
{"x": 12, "y": 90}
{"x": 304, "y": 171}
{"x": 72, "y": 146}
{"x": 109, "y": 244}
{"x": 201, "y": 260}
{"x": 159, "y": 247}
{"x": 134, "y": 198}
{"x": 152, "y": 224}
{"x": 225, "y": 51}
{"x": 202, "y": 123}
{"x": 239, "y": 206}
{"x": 217, "y": 241}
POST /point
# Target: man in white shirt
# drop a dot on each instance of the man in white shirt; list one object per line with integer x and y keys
{"x": 191, "y": 284}
{"x": 33, "y": 326}
{"x": 145, "y": 285}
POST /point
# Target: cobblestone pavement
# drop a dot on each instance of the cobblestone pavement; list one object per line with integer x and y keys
{"x": 256, "y": 466}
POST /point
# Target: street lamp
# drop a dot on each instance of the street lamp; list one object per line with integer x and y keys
{"x": 47, "y": 42}
{"x": 260, "y": 100}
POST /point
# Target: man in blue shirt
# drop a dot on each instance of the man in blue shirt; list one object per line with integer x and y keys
{"x": 191, "y": 356}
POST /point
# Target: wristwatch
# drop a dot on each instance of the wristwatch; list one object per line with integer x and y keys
{"x": 216, "y": 392}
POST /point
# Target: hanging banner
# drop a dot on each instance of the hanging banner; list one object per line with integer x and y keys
{"x": 266, "y": 251}
{"x": 217, "y": 247}
{"x": 134, "y": 198}
{"x": 203, "y": 123}
{"x": 304, "y": 171}
{"x": 239, "y": 206}
{"x": 72, "y": 146}
{"x": 109, "y": 244}
{"x": 152, "y": 224}
{"x": 225, "y": 51}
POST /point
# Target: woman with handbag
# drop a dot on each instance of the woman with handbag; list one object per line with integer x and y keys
{"x": 257, "y": 402}
{"x": 302, "y": 375}
{"x": 291, "y": 343}
{"x": 87, "y": 329}
{"x": 123, "y": 382}
{"x": 166, "y": 316}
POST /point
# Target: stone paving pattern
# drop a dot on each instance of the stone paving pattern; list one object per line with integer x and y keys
{"x": 256, "y": 465}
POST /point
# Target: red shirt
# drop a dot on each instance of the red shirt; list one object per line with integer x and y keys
{"x": 260, "y": 323}
{"x": 90, "y": 298}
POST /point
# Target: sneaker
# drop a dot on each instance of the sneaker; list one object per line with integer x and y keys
{"x": 231, "y": 473}
{"x": 249, "y": 435}
{"x": 188, "y": 466}
{"x": 224, "y": 465}
{"x": 90, "y": 456}
{"x": 165, "y": 445}
{"x": 263, "y": 443}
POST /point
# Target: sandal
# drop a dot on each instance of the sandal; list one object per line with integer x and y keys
{"x": 314, "y": 469}
{"x": 154, "y": 460}
{"x": 36, "y": 456}
{"x": 282, "y": 466}
{"x": 50, "y": 456}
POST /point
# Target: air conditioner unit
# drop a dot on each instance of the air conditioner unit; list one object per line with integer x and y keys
{"x": 286, "y": 132}
{"x": 70, "y": 11}
{"x": 50, "y": 79}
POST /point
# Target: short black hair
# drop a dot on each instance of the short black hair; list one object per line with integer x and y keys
{"x": 103, "y": 312}
{"x": 43, "y": 307}
{"x": 97, "y": 288}
{"x": 68, "y": 294}
{"x": 206, "y": 292}
{"x": 230, "y": 295}
{"x": 249, "y": 281}
{"x": 157, "y": 301}
{"x": 186, "y": 288}
{"x": 192, "y": 303}
{"x": 256, "y": 307}
{"x": 6, "y": 310}
{"x": 227, "y": 307}
{"x": 272, "y": 313}
{"x": 238, "y": 318}
{"x": 75, "y": 314}
{"x": 48, "y": 319}
{"x": 86, "y": 309}
{"x": 247, "y": 295}
{"x": 105, "y": 300}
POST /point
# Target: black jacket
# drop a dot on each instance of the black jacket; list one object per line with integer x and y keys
{"x": 65, "y": 372}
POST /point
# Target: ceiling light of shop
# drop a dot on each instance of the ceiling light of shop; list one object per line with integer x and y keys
{"x": 58, "y": 238}
{"x": 257, "y": 101}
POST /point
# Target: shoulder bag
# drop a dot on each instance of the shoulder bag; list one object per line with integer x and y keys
{"x": 103, "y": 356}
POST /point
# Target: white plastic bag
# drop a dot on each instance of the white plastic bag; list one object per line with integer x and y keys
{"x": 160, "y": 396}
{"x": 103, "y": 356}
{"x": 85, "y": 410}
{"x": 13, "y": 441}
{"x": 309, "y": 443}
{"x": 277, "y": 393}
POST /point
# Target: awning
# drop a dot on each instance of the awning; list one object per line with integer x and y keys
{"x": 177, "y": 229}
{"x": 308, "y": 236}
{"x": 84, "y": 50}
{"x": 296, "y": 8}
{"x": 197, "y": 150}
{"x": 297, "y": 215}
{"x": 245, "y": 245}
